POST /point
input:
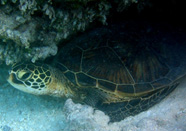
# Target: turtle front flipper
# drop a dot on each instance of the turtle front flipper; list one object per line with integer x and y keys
{"x": 117, "y": 111}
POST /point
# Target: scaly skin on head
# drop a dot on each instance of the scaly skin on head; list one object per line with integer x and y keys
{"x": 60, "y": 86}
{"x": 40, "y": 79}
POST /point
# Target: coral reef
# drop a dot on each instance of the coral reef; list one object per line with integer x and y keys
{"x": 32, "y": 29}
{"x": 19, "y": 35}
{"x": 22, "y": 35}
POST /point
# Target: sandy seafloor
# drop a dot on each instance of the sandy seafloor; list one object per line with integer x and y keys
{"x": 25, "y": 112}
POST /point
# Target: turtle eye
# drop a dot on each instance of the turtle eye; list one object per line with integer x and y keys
{"x": 24, "y": 75}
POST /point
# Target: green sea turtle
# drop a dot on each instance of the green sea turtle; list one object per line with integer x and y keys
{"x": 113, "y": 69}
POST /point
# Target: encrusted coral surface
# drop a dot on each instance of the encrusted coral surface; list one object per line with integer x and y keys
{"x": 32, "y": 29}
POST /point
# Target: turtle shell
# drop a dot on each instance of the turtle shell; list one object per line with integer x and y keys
{"x": 121, "y": 61}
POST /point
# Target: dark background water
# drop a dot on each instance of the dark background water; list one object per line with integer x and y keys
{"x": 171, "y": 12}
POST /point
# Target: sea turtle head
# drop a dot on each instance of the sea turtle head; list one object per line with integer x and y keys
{"x": 30, "y": 78}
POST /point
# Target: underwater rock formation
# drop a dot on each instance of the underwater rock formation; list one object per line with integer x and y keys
{"x": 32, "y": 29}
{"x": 24, "y": 37}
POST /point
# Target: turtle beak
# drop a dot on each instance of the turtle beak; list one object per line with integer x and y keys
{"x": 12, "y": 80}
